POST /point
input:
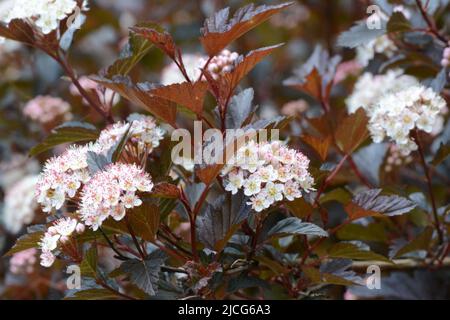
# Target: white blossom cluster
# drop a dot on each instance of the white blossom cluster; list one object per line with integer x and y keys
{"x": 64, "y": 175}
{"x": 59, "y": 233}
{"x": 111, "y": 192}
{"x": 20, "y": 204}
{"x": 370, "y": 88}
{"x": 193, "y": 63}
{"x": 268, "y": 173}
{"x": 143, "y": 131}
{"x": 397, "y": 113}
{"x": 46, "y": 14}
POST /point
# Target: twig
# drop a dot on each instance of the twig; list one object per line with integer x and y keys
{"x": 431, "y": 24}
{"x": 430, "y": 187}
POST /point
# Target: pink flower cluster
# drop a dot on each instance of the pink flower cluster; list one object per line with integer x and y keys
{"x": 63, "y": 176}
{"x": 268, "y": 173}
{"x": 111, "y": 192}
{"x": 446, "y": 57}
{"x": 60, "y": 232}
{"x": 23, "y": 262}
{"x": 222, "y": 63}
{"x": 47, "y": 109}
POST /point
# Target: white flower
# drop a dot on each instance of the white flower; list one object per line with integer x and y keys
{"x": 252, "y": 185}
{"x": 369, "y": 88}
{"x": 49, "y": 242}
{"x": 397, "y": 113}
{"x": 47, "y": 259}
{"x": 274, "y": 191}
{"x": 65, "y": 227}
{"x": 278, "y": 173}
{"x": 47, "y": 14}
{"x": 235, "y": 181}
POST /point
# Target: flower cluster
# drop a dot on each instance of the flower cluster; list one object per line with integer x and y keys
{"x": 47, "y": 109}
{"x": 268, "y": 173}
{"x": 106, "y": 96}
{"x": 396, "y": 159}
{"x": 111, "y": 192}
{"x": 220, "y": 64}
{"x": 63, "y": 176}
{"x": 397, "y": 113}
{"x": 370, "y": 88}
{"x": 23, "y": 262}
{"x": 143, "y": 132}
{"x": 60, "y": 232}
{"x": 46, "y": 14}
{"x": 193, "y": 63}
{"x": 20, "y": 204}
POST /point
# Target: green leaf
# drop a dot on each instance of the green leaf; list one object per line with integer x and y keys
{"x": 145, "y": 274}
{"x": 27, "y": 241}
{"x": 398, "y": 23}
{"x": 94, "y": 294}
{"x": 294, "y": 225}
{"x": 351, "y": 251}
{"x": 422, "y": 242}
{"x": 359, "y": 35}
{"x": 68, "y": 132}
{"x": 340, "y": 195}
{"x": 133, "y": 52}
{"x": 371, "y": 232}
{"x": 88, "y": 266}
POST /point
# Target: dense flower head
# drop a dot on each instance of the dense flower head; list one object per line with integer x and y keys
{"x": 46, "y": 14}
{"x": 370, "y": 88}
{"x": 23, "y": 262}
{"x": 20, "y": 204}
{"x": 63, "y": 176}
{"x": 268, "y": 173}
{"x": 57, "y": 234}
{"x": 111, "y": 192}
{"x": 142, "y": 129}
{"x": 46, "y": 109}
{"x": 220, "y": 64}
{"x": 397, "y": 113}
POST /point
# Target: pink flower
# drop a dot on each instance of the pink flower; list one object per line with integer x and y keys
{"x": 47, "y": 109}
{"x": 111, "y": 192}
{"x": 23, "y": 261}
